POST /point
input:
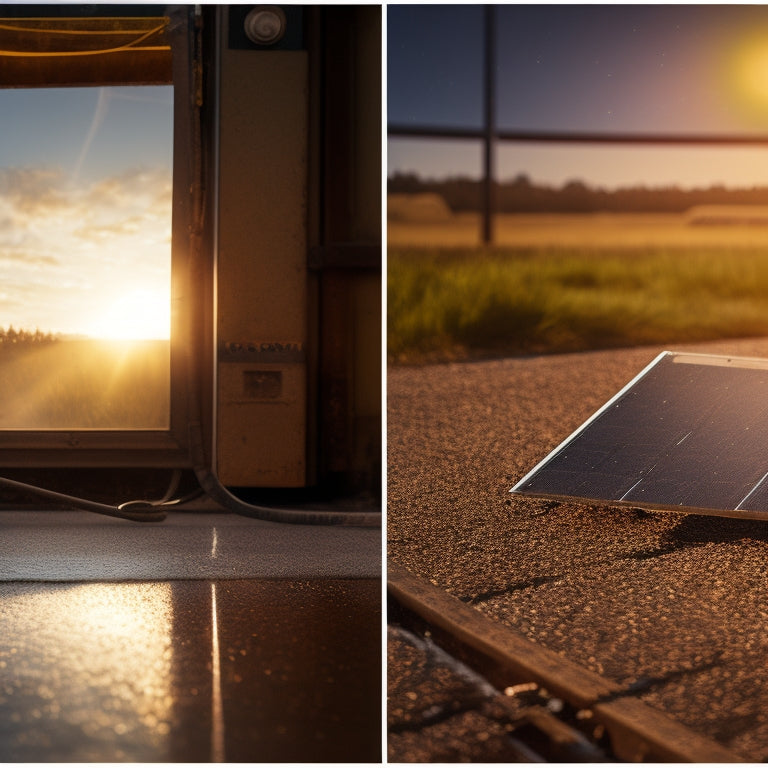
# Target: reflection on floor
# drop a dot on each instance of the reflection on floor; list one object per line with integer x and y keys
{"x": 258, "y": 669}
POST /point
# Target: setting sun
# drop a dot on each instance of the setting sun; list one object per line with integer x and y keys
{"x": 137, "y": 314}
{"x": 748, "y": 77}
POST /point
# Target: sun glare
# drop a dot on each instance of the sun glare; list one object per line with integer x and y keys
{"x": 136, "y": 315}
{"x": 748, "y": 75}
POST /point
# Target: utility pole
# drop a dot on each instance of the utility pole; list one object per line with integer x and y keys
{"x": 489, "y": 89}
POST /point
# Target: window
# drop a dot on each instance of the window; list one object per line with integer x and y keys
{"x": 93, "y": 196}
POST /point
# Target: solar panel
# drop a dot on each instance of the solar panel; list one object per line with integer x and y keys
{"x": 688, "y": 433}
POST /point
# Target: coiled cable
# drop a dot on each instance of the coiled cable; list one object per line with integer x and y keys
{"x": 146, "y": 513}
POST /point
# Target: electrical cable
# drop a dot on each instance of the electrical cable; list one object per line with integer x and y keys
{"x": 149, "y": 514}
{"x": 132, "y": 45}
{"x": 80, "y": 32}
{"x": 172, "y": 488}
{"x": 221, "y": 495}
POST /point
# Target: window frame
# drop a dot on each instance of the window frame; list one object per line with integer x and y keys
{"x": 145, "y": 447}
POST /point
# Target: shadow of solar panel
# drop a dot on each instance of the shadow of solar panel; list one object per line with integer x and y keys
{"x": 689, "y": 433}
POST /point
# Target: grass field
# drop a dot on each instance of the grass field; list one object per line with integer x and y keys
{"x": 85, "y": 384}
{"x": 568, "y": 283}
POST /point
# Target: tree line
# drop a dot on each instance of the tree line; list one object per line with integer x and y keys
{"x": 521, "y": 195}
{"x": 10, "y": 336}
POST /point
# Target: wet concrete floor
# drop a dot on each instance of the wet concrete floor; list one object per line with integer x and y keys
{"x": 279, "y": 669}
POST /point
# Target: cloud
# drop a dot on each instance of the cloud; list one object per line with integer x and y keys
{"x": 20, "y": 256}
{"x": 32, "y": 191}
{"x": 145, "y": 187}
{"x": 33, "y": 200}
{"x": 48, "y": 192}
{"x": 129, "y": 226}
{"x": 64, "y": 246}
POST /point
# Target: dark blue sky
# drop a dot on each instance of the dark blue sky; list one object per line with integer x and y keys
{"x": 641, "y": 68}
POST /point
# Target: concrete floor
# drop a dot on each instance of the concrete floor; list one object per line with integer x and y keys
{"x": 207, "y": 637}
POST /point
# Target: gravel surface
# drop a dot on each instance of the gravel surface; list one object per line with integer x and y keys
{"x": 671, "y": 606}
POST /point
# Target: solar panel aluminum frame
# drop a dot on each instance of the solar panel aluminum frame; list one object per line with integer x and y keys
{"x": 545, "y": 480}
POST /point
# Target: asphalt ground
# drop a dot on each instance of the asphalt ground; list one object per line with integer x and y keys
{"x": 670, "y": 606}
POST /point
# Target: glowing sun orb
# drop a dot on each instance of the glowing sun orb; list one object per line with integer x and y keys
{"x": 137, "y": 314}
{"x": 748, "y": 78}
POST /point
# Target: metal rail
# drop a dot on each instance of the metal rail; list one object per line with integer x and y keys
{"x": 576, "y": 137}
{"x": 636, "y": 732}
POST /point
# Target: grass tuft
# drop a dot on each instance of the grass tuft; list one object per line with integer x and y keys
{"x": 448, "y": 301}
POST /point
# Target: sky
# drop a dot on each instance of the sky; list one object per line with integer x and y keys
{"x": 694, "y": 69}
{"x": 85, "y": 210}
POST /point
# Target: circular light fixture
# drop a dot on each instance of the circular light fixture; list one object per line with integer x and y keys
{"x": 265, "y": 24}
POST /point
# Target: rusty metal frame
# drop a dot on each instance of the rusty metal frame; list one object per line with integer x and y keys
{"x": 504, "y": 656}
